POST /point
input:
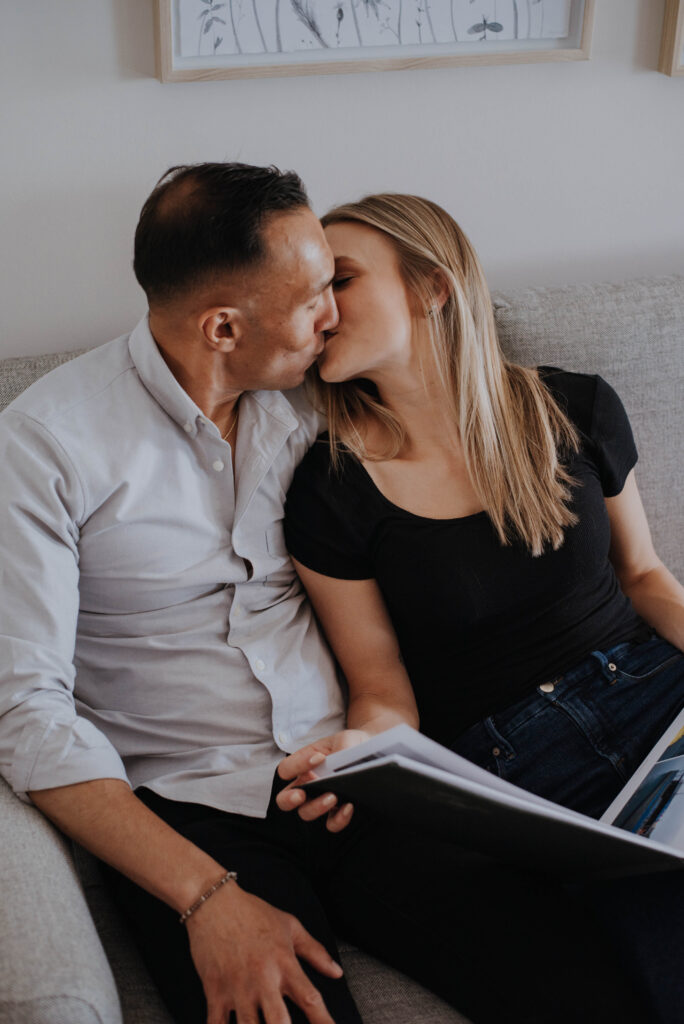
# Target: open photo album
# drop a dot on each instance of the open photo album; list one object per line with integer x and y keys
{"x": 408, "y": 778}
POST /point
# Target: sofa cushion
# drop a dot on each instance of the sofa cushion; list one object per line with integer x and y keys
{"x": 57, "y": 971}
{"x": 385, "y": 996}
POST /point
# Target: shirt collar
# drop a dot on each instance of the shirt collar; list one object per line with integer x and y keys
{"x": 159, "y": 381}
{"x": 165, "y": 389}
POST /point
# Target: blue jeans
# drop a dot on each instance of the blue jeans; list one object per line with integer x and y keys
{"x": 578, "y": 738}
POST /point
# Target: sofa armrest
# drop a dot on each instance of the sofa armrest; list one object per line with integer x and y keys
{"x": 52, "y": 965}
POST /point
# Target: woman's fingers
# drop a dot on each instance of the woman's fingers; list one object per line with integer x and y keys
{"x": 292, "y": 796}
{"x": 339, "y": 819}
{"x": 300, "y": 762}
{"x": 312, "y": 809}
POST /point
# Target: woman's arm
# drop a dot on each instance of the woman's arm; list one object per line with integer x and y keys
{"x": 653, "y": 590}
{"x": 355, "y": 620}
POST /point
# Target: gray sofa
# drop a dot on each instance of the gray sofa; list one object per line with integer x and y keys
{"x": 65, "y": 956}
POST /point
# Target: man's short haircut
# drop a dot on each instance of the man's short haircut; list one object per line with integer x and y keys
{"x": 204, "y": 219}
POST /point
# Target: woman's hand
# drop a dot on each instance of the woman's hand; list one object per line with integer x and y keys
{"x": 380, "y": 696}
{"x": 299, "y": 767}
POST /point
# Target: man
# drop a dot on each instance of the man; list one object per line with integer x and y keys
{"x": 159, "y": 658}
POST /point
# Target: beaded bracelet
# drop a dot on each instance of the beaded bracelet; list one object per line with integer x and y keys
{"x": 205, "y": 896}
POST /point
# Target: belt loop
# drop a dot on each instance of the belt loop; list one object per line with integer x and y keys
{"x": 608, "y": 668}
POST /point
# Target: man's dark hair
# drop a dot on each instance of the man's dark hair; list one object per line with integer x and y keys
{"x": 206, "y": 218}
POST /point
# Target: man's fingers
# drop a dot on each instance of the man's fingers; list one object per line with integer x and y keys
{"x": 245, "y": 1015}
{"x": 274, "y": 1009}
{"x": 307, "y": 997}
{"x": 310, "y": 949}
{"x": 218, "y": 1011}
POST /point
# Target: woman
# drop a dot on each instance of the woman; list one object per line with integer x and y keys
{"x": 472, "y": 539}
{"x": 471, "y": 534}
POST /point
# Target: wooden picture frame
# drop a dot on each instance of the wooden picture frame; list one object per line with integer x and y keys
{"x": 672, "y": 44}
{"x": 316, "y": 55}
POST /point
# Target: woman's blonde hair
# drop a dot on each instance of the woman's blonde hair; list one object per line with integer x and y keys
{"x": 514, "y": 435}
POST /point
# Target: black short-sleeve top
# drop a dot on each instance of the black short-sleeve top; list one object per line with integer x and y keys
{"x": 479, "y": 624}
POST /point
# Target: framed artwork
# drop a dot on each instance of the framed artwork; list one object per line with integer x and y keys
{"x": 209, "y": 39}
{"x": 672, "y": 45}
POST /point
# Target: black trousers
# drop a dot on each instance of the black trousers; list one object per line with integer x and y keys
{"x": 497, "y": 942}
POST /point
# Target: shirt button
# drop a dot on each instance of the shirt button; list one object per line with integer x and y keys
{"x": 547, "y": 687}
{"x": 259, "y": 665}
{"x": 283, "y": 738}
{"x": 187, "y": 427}
{"x": 236, "y": 611}
{"x": 218, "y": 465}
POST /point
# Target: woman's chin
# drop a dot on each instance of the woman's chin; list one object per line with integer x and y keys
{"x": 328, "y": 372}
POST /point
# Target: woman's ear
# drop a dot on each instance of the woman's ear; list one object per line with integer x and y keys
{"x": 431, "y": 300}
{"x": 440, "y": 290}
{"x": 221, "y": 327}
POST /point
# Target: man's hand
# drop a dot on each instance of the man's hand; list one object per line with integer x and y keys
{"x": 246, "y": 953}
{"x": 298, "y": 767}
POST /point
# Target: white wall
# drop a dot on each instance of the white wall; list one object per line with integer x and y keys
{"x": 559, "y": 172}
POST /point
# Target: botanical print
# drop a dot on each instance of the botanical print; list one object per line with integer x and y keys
{"x": 209, "y": 28}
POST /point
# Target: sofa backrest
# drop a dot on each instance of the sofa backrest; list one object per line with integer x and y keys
{"x": 630, "y": 333}
{"x": 633, "y": 335}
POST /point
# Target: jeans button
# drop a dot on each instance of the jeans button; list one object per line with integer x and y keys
{"x": 547, "y": 687}
{"x": 496, "y": 751}
{"x": 612, "y": 667}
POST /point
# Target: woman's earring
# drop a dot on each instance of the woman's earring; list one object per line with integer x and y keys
{"x": 431, "y": 312}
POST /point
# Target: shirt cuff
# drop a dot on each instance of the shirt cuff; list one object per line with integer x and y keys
{"x": 57, "y": 752}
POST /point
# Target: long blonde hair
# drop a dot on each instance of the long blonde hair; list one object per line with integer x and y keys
{"x": 513, "y": 434}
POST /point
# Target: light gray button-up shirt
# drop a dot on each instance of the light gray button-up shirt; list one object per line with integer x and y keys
{"x": 152, "y": 627}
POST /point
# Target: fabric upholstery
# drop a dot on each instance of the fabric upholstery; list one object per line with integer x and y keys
{"x": 52, "y": 966}
{"x": 18, "y": 372}
{"x": 385, "y": 996}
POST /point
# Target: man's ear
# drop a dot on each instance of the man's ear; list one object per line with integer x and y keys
{"x": 222, "y": 327}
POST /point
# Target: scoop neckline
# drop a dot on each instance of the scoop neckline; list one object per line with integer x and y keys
{"x": 407, "y": 512}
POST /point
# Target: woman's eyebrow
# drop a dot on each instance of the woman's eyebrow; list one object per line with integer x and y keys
{"x": 345, "y": 261}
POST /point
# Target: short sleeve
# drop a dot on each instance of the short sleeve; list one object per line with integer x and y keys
{"x": 324, "y": 522}
{"x": 614, "y": 448}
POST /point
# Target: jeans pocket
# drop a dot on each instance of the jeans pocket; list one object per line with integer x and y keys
{"x": 646, "y": 660}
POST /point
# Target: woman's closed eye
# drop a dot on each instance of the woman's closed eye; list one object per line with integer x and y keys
{"x": 342, "y": 282}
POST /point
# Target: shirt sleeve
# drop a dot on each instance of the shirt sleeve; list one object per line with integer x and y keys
{"x": 43, "y": 742}
{"x": 323, "y": 522}
{"x": 611, "y": 433}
